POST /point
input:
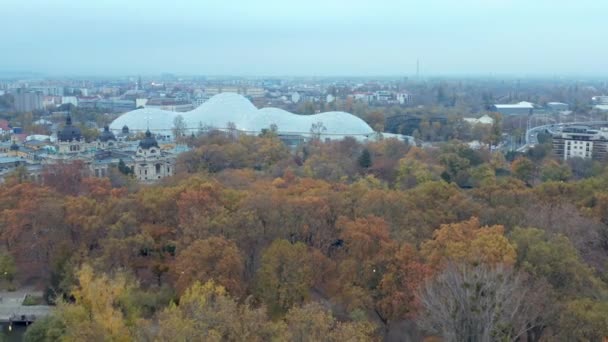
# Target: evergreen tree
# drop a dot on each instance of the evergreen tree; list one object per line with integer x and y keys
{"x": 365, "y": 159}
{"x": 123, "y": 168}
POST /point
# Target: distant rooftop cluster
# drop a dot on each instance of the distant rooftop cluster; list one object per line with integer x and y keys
{"x": 171, "y": 93}
{"x": 146, "y": 159}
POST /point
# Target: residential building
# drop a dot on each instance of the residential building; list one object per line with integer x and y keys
{"x": 383, "y": 96}
{"x": 48, "y": 90}
{"x": 582, "y": 142}
{"x": 252, "y": 92}
{"x": 404, "y": 98}
{"x": 169, "y": 104}
{"x": 115, "y": 105}
{"x": 69, "y": 99}
{"x": 4, "y": 127}
{"x": 27, "y": 101}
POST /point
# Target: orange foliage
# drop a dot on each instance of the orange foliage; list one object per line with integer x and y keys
{"x": 468, "y": 242}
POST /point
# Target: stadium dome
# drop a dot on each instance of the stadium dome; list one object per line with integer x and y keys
{"x": 223, "y": 108}
{"x": 142, "y": 119}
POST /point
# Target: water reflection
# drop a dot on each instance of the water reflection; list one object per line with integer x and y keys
{"x": 12, "y": 335}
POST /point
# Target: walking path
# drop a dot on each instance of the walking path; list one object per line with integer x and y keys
{"x": 12, "y": 308}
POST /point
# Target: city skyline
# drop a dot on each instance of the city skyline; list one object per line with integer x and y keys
{"x": 338, "y": 38}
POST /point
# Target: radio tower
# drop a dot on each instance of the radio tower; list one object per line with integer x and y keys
{"x": 417, "y": 69}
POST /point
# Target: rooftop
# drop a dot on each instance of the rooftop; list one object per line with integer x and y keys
{"x": 521, "y": 105}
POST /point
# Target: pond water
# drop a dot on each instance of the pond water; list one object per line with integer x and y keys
{"x": 15, "y": 334}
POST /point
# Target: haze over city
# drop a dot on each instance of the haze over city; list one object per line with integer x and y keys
{"x": 306, "y": 171}
{"x": 268, "y": 37}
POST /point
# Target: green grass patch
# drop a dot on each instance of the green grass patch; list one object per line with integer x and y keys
{"x": 33, "y": 300}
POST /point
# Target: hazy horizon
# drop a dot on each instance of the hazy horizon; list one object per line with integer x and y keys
{"x": 492, "y": 38}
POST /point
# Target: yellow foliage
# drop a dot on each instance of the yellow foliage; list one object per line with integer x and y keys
{"x": 96, "y": 314}
{"x": 468, "y": 242}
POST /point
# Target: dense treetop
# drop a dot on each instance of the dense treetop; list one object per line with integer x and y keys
{"x": 252, "y": 241}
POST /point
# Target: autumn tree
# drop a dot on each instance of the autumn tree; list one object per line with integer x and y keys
{"x": 17, "y": 176}
{"x": 363, "y": 261}
{"x": 34, "y": 232}
{"x": 523, "y": 168}
{"x": 96, "y": 313}
{"x": 65, "y": 178}
{"x": 206, "y": 313}
{"x": 7, "y": 267}
{"x": 312, "y": 322}
{"x": 179, "y": 127}
{"x": 215, "y": 259}
{"x": 555, "y": 259}
{"x": 412, "y": 172}
{"x": 284, "y": 277}
{"x": 553, "y": 171}
{"x": 201, "y": 211}
{"x": 400, "y": 283}
{"x": 584, "y": 320}
{"x": 316, "y": 130}
{"x": 494, "y": 136}
{"x": 480, "y": 303}
{"x": 469, "y": 242}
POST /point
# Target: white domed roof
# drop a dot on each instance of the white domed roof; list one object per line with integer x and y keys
{"x": 141, "y": 119}
{"x": 230, "y": 107}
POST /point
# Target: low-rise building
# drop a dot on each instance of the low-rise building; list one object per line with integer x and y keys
{"x": 521, "y": 108}
{"x": 169, "y": 104}
{"x": 484, "y": 120}
{"x": 557, "y": 106}
{"x": 600, "y": 100}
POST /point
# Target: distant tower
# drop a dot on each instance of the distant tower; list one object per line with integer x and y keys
{"x": 417, "y": 69}
{"x": 138, "y": 85}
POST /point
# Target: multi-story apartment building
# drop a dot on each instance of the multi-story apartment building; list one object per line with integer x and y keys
{"x": 252, "y": 92}
{"x": 27, "y": 101}
{"x": 582, "y": 142}
{"x": 169, "y": 104}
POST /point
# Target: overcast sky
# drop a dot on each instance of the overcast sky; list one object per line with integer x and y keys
{"x": 305, "y": 37}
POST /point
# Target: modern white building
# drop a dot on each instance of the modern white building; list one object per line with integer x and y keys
{"x": 226, "y": 108}
{"x": 69, "y": 99}
{"x": 582, "y": 142}
{"x": 484, "y": 120}
{"x": 404, "y": 98}
{"x": 521, "y": 108}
